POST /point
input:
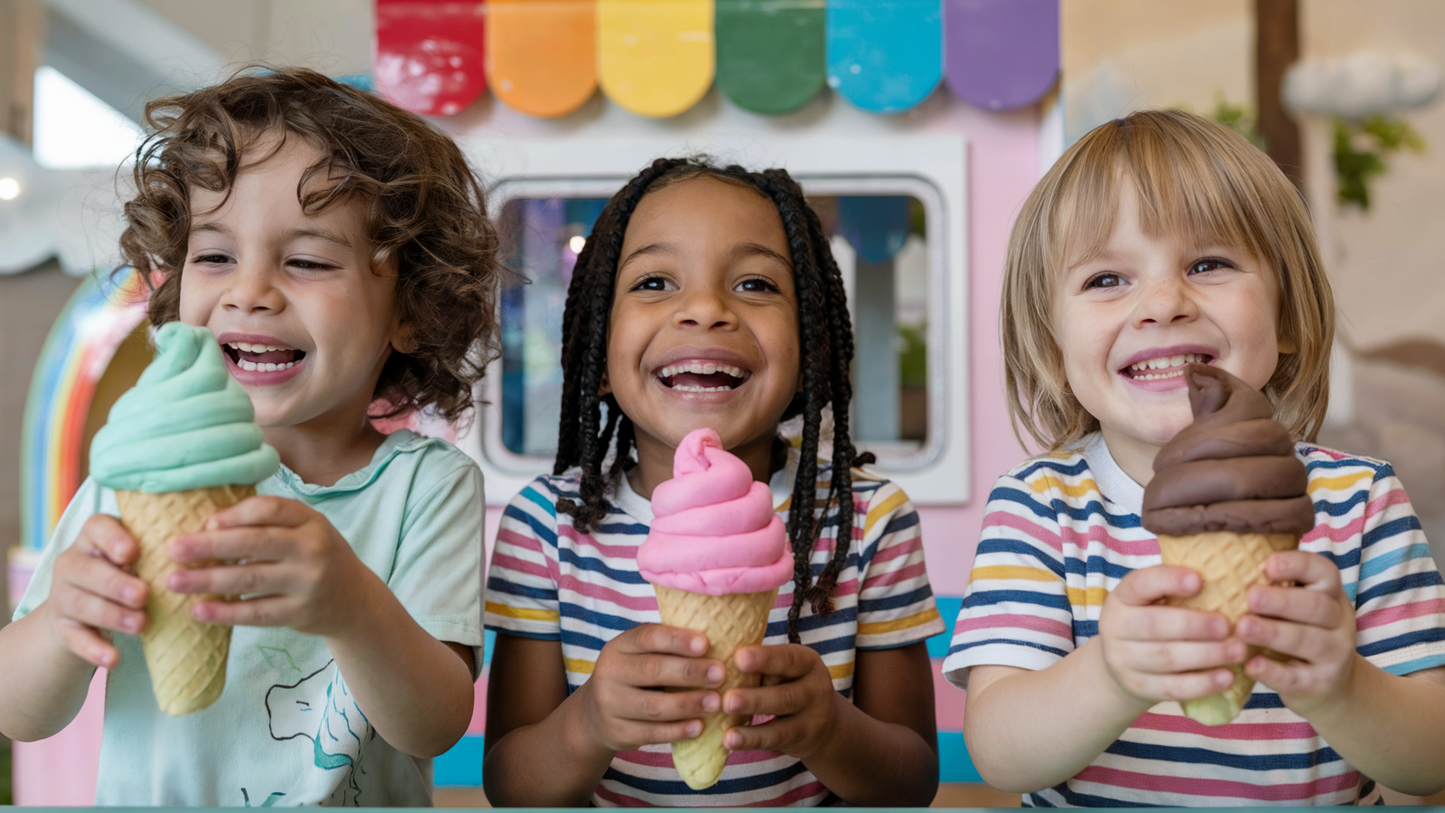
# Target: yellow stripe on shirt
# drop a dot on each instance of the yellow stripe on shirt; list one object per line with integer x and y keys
{"x": 1087, "y": 597}
{"x": 915, "y": 620}
{"x": 523, "y": 612}
{"x": 578, "y": 665}
{"x": 882, "y": 510}
{"x": 841, "y": 671}
{"x": 1048, "y": 482}
{"x": 1340, "y": 483}
{"x": 1033, "y": 574}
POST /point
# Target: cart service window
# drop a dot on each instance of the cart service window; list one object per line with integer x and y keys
{"x": 890, "y": 263}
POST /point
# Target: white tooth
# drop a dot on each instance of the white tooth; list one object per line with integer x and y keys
{"x": 1175, "y": 361}
{"x": 709, "y": 369}
{"x": 248, "y": 366}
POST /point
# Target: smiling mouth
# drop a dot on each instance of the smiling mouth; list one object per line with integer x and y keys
{"x": 702, "y": 377}
{"x": 262, "y": 358}
{"x": 1164, "y": 367}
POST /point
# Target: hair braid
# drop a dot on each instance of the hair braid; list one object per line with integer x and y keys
{"x": 584, "y": 355}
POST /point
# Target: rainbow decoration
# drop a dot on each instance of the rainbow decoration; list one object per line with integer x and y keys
{"x": 659, "y": 58}
{"x": 99, "y": 316}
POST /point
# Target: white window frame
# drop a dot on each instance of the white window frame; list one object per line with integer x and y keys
{"x": 928, "y": 168}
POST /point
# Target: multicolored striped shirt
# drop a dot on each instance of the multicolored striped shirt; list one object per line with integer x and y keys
{"x": 1062, "y": 529}
{"x": 552, "y": 582}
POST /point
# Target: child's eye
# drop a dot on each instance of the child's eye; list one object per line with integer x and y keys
{"x": 1209, "y": 264}
{"x": 211, "y": 259}
{"x": 1108, "y": 279}
{"x": 757, "y": 285}
{"x": 309, "y": 266}
{"x": 649, "y": 284}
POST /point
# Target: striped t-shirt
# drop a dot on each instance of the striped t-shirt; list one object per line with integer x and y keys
{"x": 1061, "y": 530}
{"x": 549, "y": 581}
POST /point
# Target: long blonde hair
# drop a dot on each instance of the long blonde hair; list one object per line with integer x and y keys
{"x": 1192, "y": 177}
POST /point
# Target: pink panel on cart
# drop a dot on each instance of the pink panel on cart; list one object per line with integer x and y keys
{"x": 478, "y": 724}
{"x": 428, "y": 56}
{"x": 947, "y": 700}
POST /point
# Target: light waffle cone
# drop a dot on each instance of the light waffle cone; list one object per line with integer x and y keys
{"x": 186, "y": 657}
{"x": 729, "y": 622}
{"x": 1229, "y": 564}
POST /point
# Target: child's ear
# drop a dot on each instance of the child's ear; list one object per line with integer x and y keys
{"x": 403, "y": 339}
{"x": 605, "y": 388}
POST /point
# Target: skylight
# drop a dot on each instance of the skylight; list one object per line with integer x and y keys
{"x": 73, "y": 129}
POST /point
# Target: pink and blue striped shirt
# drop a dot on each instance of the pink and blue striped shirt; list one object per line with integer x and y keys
{"x": 1059, "y": 532}
{"x": 549, "y": 581}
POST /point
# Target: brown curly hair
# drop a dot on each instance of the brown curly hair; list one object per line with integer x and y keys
{"x": 425, "y": 211}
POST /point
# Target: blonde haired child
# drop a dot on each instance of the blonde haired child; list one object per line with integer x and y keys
{"x": 1156, "y": 240}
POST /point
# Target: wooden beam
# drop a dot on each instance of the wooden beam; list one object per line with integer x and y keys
{"x": 22, "y": 41}
{"x": 1276, "y": 47}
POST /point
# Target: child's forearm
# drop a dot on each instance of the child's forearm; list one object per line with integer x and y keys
{"x": 415, "y": 690}
{"x": 43, "y": 684}
{"x": 868, "y": 762}
{"x": 1388, "y": 727}
{"x": 1044, "y": 727}
{"x": 550, "y": 763}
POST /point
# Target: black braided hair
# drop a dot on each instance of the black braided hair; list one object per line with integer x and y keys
{"x": 825, "y": 337}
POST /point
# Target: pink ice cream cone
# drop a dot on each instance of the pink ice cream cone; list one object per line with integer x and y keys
{"x": 716, "y": 556}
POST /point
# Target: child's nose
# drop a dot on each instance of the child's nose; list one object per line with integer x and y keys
{"x": 705, "y": 309}
{"x": 252, "y": 289}
{"x": 1164, "y": 302}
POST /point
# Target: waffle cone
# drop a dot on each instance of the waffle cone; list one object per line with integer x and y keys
{"x": 729, "y": 622}
{"x": 1229, "y": 565}
{"x": 186, "y": 657}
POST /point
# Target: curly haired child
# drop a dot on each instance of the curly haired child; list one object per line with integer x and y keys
{"x": 339, "y": 250}
{"x": 707, "y": 297}
{"x": 1158, "y": 240}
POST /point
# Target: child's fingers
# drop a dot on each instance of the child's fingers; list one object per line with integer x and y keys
{"x": 1184, "y": 685}
{"x": 1303, "y": 641}
{"x": 260, "y": 511}
{"x": 268, "y": 611}
{"x": 652, "y": 669}
{"x": 652, "y": 706}
{"x": 103, "y": 534}
{"x": 1148, "y": 585}
{"x": 89, "y": 645}
{"x": 646, "y": 638}
{"x": 1159, "y": 623}
{"x": 658, "y": 733}
{"x": 259, "y": 578}
{"x": 80, "y": 606}
{"x": 779, "y": 699}
{"x": 92, "y": 574}
{"x": 267, "y": 542}
{"x": 1172, "y": 657}
{"x": 784, "y": 660}
{"x": 1309, "y": 570}
{"x": 1320, "y": 609}
{"x": 774, "y": 735}
{"x": 1285, "y": 678}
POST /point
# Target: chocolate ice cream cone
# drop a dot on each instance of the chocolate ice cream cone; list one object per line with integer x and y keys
{"x": 1229, "y": 564}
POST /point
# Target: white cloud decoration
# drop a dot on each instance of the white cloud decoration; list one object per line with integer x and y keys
{"x": 73, "y": 216}
{"x": 1362, "y": 84}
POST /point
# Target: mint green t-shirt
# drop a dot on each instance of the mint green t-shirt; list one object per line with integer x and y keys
{"x": 285, "y": 731}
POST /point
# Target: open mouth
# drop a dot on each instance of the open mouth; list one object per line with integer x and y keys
{"x": 262, "y": 358}
{"x": 702, "y": 376}
{"x": 1164, "y": 367}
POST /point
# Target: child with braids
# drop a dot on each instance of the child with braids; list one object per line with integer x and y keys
{"x": 707, "y": 297}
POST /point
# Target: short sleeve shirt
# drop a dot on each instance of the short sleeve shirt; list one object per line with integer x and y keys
{"x": 286, "y": 731}
{"x": 1059, "y": 533}
{"x": 552, "y": 582}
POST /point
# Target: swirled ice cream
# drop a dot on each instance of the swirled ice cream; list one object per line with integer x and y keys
{"x": 1227, "y": 494}
{"x": 713, "y": 528}
{"x": 1233, "y": 469}
{"x": 178, "y": 447}
{"x": 716, "y": 556}
{"x": 186, "y": 424}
